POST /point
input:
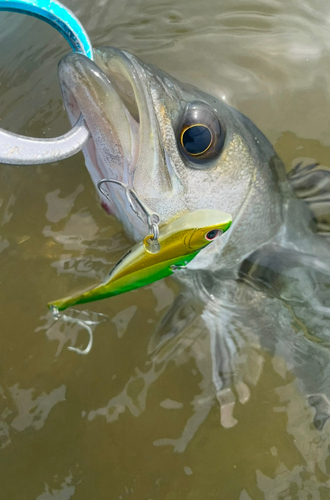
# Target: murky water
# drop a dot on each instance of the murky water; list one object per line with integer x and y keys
{"x": 122, "y": 422}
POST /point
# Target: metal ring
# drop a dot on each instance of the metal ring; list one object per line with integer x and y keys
{"x": 155, "y": 231}
{"x": 19, "y": 150}
{"x": 154, "y": 218}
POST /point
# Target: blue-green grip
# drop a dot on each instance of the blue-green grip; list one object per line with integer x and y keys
{"x": 58, "y": 16}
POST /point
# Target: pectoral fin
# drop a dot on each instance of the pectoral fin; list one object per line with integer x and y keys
{"x": 311, "y": 184}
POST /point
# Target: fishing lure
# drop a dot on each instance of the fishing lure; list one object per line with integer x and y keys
{"x": 179, "y": 242}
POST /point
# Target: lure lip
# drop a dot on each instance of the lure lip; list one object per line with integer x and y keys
{"x": 180, "y": 241}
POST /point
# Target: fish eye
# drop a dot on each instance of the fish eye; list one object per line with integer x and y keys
{"x": 201, "y": 136}
{"x": 196, "y": 139}
{"x": 211, "y": 235}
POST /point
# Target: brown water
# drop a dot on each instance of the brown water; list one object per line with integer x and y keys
{"x": 121, "y": 423}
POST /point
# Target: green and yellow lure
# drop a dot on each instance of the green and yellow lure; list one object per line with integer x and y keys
{"x": 180, "y": 241}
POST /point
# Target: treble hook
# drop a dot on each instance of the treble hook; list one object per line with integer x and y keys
{"x": 56, "y": 315}
{"x": 152, "y": 218}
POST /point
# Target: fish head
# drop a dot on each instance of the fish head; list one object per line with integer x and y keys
{"x": 179, "y": 149}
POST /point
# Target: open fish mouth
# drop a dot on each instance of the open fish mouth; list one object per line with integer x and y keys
{"x": 113, "y": 96}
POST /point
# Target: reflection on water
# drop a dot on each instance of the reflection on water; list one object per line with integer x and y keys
{"x": 65, "y": 493}
{"x": 139, "y": 416}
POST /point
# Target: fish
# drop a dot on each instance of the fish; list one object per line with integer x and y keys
{"x": 266, "y": 280}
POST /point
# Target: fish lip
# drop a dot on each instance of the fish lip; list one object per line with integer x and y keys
{"x": 87, "y": 89}
{"x": 132, "y": 70}
{"x": 111, "y": 74}
{"x": 114, "y": 62}
{"x": 126, "y": 58}
{"x": 117, "y": 145}
{"x": 143, "y": 82}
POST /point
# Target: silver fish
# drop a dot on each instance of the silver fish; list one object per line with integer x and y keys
{"x": 267, "y": 280}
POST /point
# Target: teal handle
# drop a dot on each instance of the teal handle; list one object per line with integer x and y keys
{"x": 19, "y": 150}
{"x": 58, "y": 16}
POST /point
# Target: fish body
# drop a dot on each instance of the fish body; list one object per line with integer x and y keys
{"x": 182, "y": 150}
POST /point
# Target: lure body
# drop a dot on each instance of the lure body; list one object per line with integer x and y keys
{"x": 180, "y": 241}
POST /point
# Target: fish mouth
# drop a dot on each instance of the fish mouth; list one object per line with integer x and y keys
{"x": 113, "y": 95}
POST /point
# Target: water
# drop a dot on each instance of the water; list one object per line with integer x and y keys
{"x": 120, "y": 422}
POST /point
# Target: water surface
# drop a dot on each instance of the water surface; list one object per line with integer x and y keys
{"x": 122, "y": 422}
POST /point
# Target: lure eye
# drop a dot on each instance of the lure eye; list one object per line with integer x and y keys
{"x": 196, "y": 139}
{"x": 201, "y": 136}
{"x": 211, "y": 235}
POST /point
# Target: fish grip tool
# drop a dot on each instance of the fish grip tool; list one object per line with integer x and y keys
{"x": 20, "y": 150}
